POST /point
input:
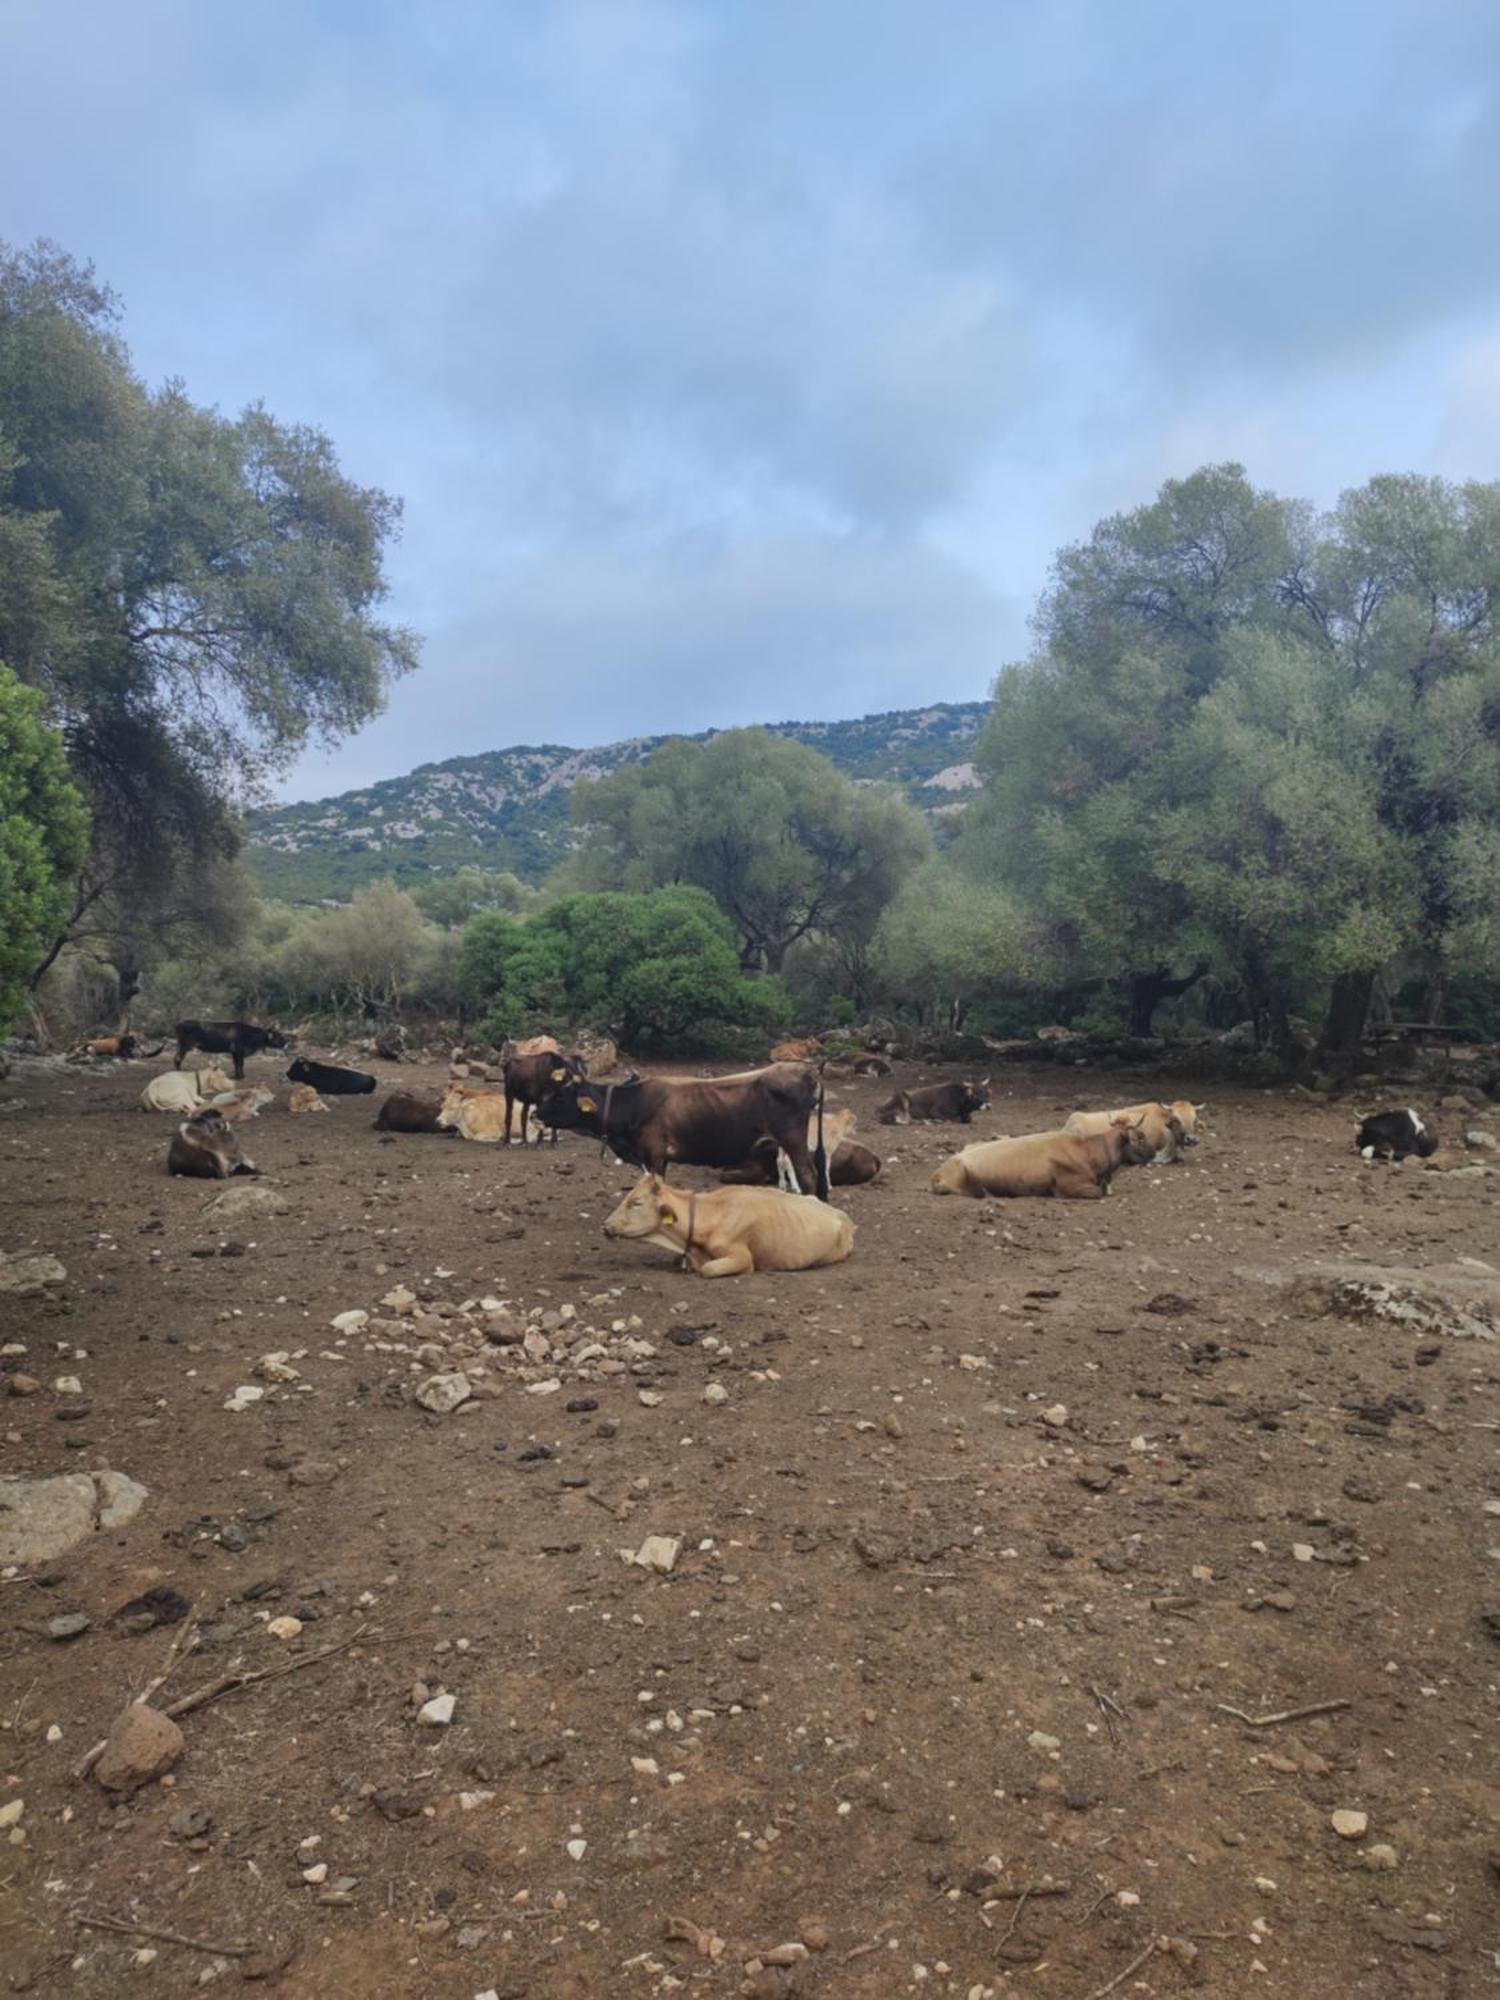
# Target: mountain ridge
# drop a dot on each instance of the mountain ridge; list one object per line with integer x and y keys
{"x": 508, "y": 808}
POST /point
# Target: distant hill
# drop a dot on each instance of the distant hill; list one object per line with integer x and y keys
{"x": 509, "y": 808}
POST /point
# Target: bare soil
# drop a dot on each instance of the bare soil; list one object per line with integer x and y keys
{"x": 898, "y": 1581}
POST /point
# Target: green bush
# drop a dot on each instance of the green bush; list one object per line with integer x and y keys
{"x": 657, "y": 971}
{"x": 43, "y": 839}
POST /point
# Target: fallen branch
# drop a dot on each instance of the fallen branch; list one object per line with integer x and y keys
{"x": 1124, "y": 1973}
{"x": 1015, "y": 1917}
{"x": 1283, "y": 1714}
{"x": 165, "y": 1937}
{"x": 227, "y": 1683}
{"x": 1048, "y": 1888}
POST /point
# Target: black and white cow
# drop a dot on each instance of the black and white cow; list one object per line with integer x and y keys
{"x": 1391, "y": 1135}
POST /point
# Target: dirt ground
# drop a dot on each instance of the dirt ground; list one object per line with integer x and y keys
{"x": 937, "y": 1692}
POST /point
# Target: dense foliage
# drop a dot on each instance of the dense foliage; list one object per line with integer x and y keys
{"x": 656, "y": 970}
{"x": 785, "y": 846}
{"x": 193, "y": 595}
{"x": 43, "y": 838}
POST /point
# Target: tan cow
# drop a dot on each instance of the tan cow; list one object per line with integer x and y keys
{"x": 173, "y": 1090}
{"x": 211, "y": 1082}
{"x": 535, "y": 1045}
{"x": 244, "y": 1103}
{"x": 1070, "y": 1165}
{"x": 849, "y": 1165}
{"x": 734, "y": 1229}
{"x": 474, "y": 1114}
{"x": 305, "y": 1098}
{"x": 1160, "y": 1123}
{"x": 1187, "y": 1114}
{"x": 806, "y": 1048}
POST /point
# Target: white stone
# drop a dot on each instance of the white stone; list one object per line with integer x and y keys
{"x": 276, "y": 1367}
{"x": 246, "y": 1395}
{"x": 11, "y": 1811}
{"x": 577, "y": 1849}
{"x": 284, "y": 1628}
{"x": 1348, "y": 1824}
{"x": 1040, "y": 1740}
{"x": 1303, "y": 1552}
{"x": 68, "y": 1385}
{"x": 1056, "y": 1417}
{"x": 439, "y": 1711}
{"x": 716, "y": 1393}
{"x": 353, "y": 1321}
{"x": 443, "y": 1393}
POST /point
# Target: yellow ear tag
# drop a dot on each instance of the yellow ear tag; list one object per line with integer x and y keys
{"x": 668, "y": 1215}
{"x": 587, "y": 1104}
{"x": 559, "y": 1076}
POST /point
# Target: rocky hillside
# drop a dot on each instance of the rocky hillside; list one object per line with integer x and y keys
{"x": 509, "y": 808}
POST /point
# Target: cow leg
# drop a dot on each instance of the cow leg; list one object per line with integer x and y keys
{"x": 786, "y": 1180}
{"x": 1069, "y": 1188}
{"x": 237, "y": 1055}
{"x": 508, "y": 1102}
{"x": 795, "y": 1150}
{"x": 733, "y": 1264}
{"x": 181, "y": 1055}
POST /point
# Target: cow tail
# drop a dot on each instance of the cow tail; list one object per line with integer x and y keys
{"x": 820, "y": 1157}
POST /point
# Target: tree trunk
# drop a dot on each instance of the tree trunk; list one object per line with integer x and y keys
{"x": 1348, "y": 1009}
{"x": 1435, "y": 999}
{"x": 1149, "y": 989}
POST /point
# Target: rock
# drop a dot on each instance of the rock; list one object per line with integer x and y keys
{"x": 276, "y": 1367}
{"x": 10, "y": 1813}
{"x": 814, "y": 1933}
{"x": 354, "y": 1321}
{"x": 657, "y": 1552}
{"x": 22, "y": 1385}
{"x": 245, "y": 1397}
{"x": 442, "y": 1394}
{"x": 439, "y": 1711}
{"x": 1349, "y": 1825}
{"x": 68, "y": 1385}
{"x": 1303, "y": 1552}
{"x": 1361, "y": 1489}
{"x": 284, "y": 1628}
{"x": 247, "y": 1201}
{"x": 191, "y": 1823}
{"x": 1481, "y": 1142}
{"x": 23, "y": 1277}
{"x": 41, "y": 1519}
{"x": 1380, "y": 1859}
{"x": 1056, "y": 1418}
{"x": 716, "y": 1393}
{"x": 1040, "y": 1741}
{"x": 69, "y": 1626}
{"x": 142, "y": 1745}
{"x": 576, "y": 1849}
{"x": 1461, "y": 1299}
{"x": 313, "y": 1472}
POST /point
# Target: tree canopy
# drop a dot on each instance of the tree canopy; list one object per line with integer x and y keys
{"x": 784, "y": 844}
{"x": 1258, "y": 735}
{"x": 43, "y": 837}
{"x": 193, "y": 595}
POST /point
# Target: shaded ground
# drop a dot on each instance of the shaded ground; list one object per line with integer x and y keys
{"x": 922, "y": 1650}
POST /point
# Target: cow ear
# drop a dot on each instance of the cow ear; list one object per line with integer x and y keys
{"x": 559, "y": 1076}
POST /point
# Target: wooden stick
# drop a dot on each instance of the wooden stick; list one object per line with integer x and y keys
{"x": 998, "y": 1895}
{"x": 1015, "y": 1917}
{"x": 180, "y": 1638}
{"x": 166, "y": 1937}
{"x": 227, "y": 1683}
{"x": 1283, "y": 1714}
{"x": 1124, "y": 1973}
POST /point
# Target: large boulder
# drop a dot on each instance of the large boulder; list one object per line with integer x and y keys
{"x": 41, "y": 1519}
{"x": 1461, "y": 1300}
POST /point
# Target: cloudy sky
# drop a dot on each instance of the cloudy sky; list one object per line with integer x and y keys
{"x": 741, "y": 360}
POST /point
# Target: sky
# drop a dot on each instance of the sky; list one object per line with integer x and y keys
{"x": 748, "y": 360}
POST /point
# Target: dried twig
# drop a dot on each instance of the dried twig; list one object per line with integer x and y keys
{"x": 166, "y": 1937}
{"x": 1125, "y": 1971}
{"x": 227, "y": 1683}
{"x": 1283, "y": 1714}
{"x": 1015, "y": 1917}
{"x": 1109, "y": 1708}
{"x": 998, "y": 1895}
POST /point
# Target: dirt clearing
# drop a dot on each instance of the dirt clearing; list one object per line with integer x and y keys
{"x": 976, "y": 1542}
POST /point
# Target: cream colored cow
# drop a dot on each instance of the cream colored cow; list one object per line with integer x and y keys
{"x": 732, "y": 1230}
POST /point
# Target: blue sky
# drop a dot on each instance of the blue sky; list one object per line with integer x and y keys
{"x": 749, "y": 360}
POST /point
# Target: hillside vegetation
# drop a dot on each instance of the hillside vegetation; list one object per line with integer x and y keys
{"x": 508, "y": 809}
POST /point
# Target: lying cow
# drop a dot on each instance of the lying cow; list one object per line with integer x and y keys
{"x": 247, "y": 1103}
{"x": 1160, "y": 1122}
{"x": 330, "y": 1079}
{"x": 305, "y": 1098}
{"x": 172, "y": 1091}
{"x": 950, "y": 1102}
{"x": 733, "y": 1229}
{"x": 1392, "y": 1135}
{"x": 409, "y": 1111}
{"x": 531, "y": 1078}
{"x": 235, "y": 1039}
{"x": 807, "y": 1048}
{"x": 120, "y": 1048}
{"x": 474, "y": 1114}
{"x": 719, "y": 1121}
{"x": 849, "y": 1163}
{"x": 1066, "y": 1164}
{"x": 207, "y": 1148}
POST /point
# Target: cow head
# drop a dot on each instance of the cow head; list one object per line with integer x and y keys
{"x": 1426, "y": 1144}
{"x": 573, "y": 1106}
{"x": 650, "y": 1207}
{"x": 299, "y": 1071}
{"x": 976, "y": 1095}
{"x": 1187, "y": 1114}
{"x": 451, "y": 1106}
{"x": 1136, "y": 1144}
{"x": 273, "y": 1038}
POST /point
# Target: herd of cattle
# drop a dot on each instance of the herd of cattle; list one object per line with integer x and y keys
{"x": 768, "y": 1132}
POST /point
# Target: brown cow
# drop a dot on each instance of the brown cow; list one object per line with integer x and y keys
{"x": 956, "y": 1102}
{"x": 531, "y": 1079}
{"x": 1064, "y": 1164}
{"x": 718, "y": 1121}
{"x": 206, "y": 1147}
{"x": 305, "y": 1098}
{"x": 120, "y": 1048}
{"x": 410, "y": 1111}
{"x": 849, "y": 1163}
{"x": 806, "y": 1048}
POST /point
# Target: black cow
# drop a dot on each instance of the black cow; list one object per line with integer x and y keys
{"x": 955, "y": 1102}
{"x": 718, "y": 1121}
{"x": 410, "y": 1111}
{"x": 532, "y": 1079}
{"x": 236, "y": 1039}
{"x": 330, "y": 1079}
{"x": 1391, "y": 1135}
